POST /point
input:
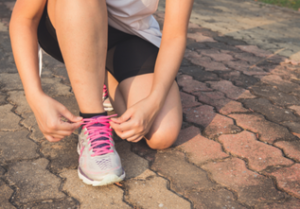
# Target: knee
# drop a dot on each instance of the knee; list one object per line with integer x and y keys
{"x": 161, "y": 140}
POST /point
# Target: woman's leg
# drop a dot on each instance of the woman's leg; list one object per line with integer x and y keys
{"x": 166, "y": 126}
{"x": 81, "y": 28}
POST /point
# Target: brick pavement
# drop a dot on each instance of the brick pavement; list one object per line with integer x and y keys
{"x": 239, "y": 146}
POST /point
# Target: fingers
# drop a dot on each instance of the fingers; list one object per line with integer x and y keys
{"x": 52, "y": 139}
{"x": 123, "y": 118}
{"x": 66, "y": 126}
{"x": 128, "y": 131}
{"x": 59, "y": 131}
{"x": 135, "y": 139}
{"x": 72, "y": 118}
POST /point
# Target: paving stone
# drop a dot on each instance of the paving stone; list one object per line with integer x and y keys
{"x": 237, "y": 65}
{"x": 203, "y": 61}
{"x": 258, "y": 154}
{"x": 227, "y": 88}
{"x": 296, "y": 109}
{"x": 185, "y": 125}
{"x": 5, "y": 194}
{"x": 199, "y": 37}
{"x": 228, "y": 40}
{"x": 268, "y": 131}
{"x": 210, "y": 65}
{"x": 18, "y": 98}
{"x": 11, "y": 81}
{"x": 220, "y": 57}
{"x": 281, "y": 85}
{"x": 255, "y": 71}
{"x": 34, "y": 181}
{"x": 53, "y": 87}
{"x": 7, "y": 64}
{"x": 272, "y": 112}
{"x": 187, "y": 134}
{"x": 220, "y": 125}
{"x": 16, "y": 146}
{"x": 198, "y": 148}
{"x": 193, "y": 45}
{"x": 50, "y": 62}
{"x": 239, "y": 79}
{"x": 218, "y": 198}
{"x": 285, "y": 73}
{"x": 90, "y": 197}
{"x": 248, "y": 58}
{"x": 199, "y": 73}
{"x": 216, "y": 98}
{"x": 233, "y": 107}
{"x": 181, "y": 181}
{"x": 190, "y": 54}
{"x": 142, "y": 149}
{"x": 246, "y": 95}
{"x": 8, "y": 120}
{"x": 293, "y": 127}
{"x": 252, "y": 188}
{"x": 133, "y": 164}
{"x": 61, "y": 72}
{"x": 2, "y": 171}
{"x": 2, "y": 98}
{"x": 254, "y": 50}
{"x": 290, "y": 149}
{"x": 291, "y": 203}
{"x": 150, "y": 191}
{"x": 222, "y": 46}
{"x": 68, "y": 203}
{"x": 190, "y": 85}
{"x": 267, "y": 66}
{"x": 288, "y": 179}
{"x": 63, "y": 154}
{"x": 277, "y": 97}
{"x": 185, "y": 63}
{"x": 30, "y": 123}
{"x": 69, "y": 102}
{"x": 188, "y": 100}
{"x": 202, "y": 115}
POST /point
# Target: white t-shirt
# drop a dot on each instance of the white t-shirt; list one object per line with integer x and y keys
{"x": 135, "y": 17}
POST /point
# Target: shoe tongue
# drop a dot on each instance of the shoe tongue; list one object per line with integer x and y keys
{"x": 100, "y": 138}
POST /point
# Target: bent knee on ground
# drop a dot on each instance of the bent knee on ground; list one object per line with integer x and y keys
{"x": 162, "y": 139}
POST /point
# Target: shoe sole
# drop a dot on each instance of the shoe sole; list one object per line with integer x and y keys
{"x": 108, "y": 179}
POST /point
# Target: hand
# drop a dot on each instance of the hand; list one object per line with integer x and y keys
{"x": 49, "y": 113}
{"x": 136, "y": 122}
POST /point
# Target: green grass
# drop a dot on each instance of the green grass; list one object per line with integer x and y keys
{"x": 293, "y": 4}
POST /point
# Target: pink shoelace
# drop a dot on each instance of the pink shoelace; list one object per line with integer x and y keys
{"x": 99, "y": 134}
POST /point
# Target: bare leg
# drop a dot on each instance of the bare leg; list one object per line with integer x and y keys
{"x": 81, "y": 28}
{"x": 166, "y": 126}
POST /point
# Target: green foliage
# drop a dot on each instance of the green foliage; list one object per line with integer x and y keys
{"x": 293, "y": 4}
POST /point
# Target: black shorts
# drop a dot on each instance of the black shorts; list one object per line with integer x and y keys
{"x": 127, "y": 55}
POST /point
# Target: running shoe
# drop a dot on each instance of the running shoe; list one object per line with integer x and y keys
{"x": 106, "y": 102}
{"x": 99, "y": 162}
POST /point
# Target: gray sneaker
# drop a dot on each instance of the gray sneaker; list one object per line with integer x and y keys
{"x": 99, "y": 162}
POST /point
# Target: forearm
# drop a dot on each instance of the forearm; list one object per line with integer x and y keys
{"x": 167, "y": 65}
{"x": 24, "y": 42}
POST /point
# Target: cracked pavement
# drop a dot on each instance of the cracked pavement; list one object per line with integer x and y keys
{"x": 239, "y": 147}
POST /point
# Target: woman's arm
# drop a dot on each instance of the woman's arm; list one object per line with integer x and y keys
{"x": 23, "y": 33}
{"x": 137, "y": 120}
{"x": 173, "y": 43}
